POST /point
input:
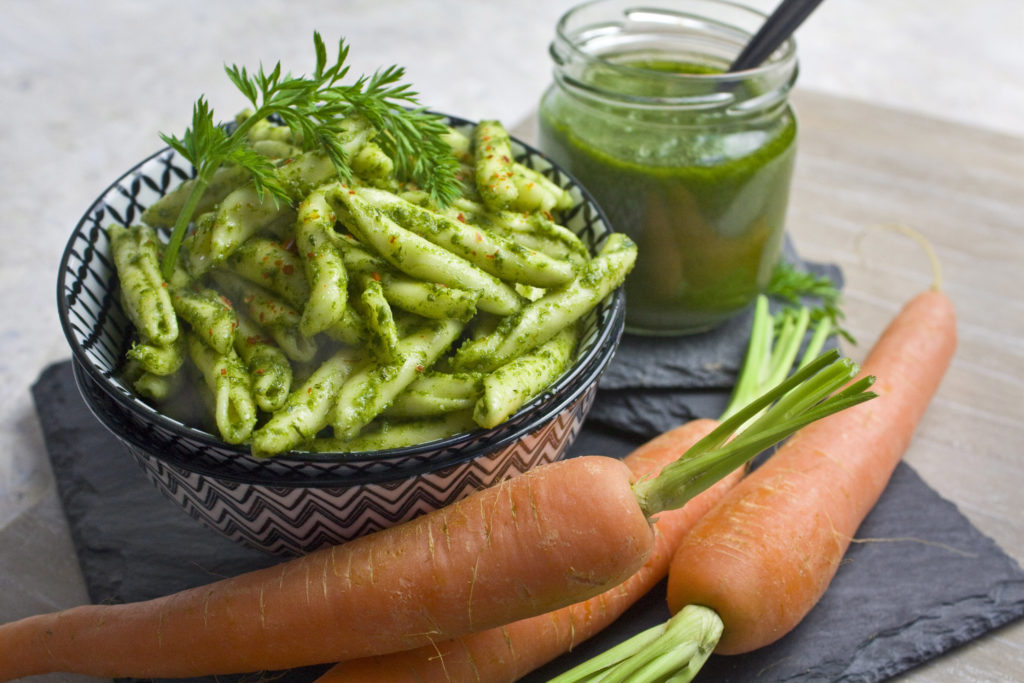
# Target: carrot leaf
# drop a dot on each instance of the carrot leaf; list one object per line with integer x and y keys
{"x": 795, "y": 286}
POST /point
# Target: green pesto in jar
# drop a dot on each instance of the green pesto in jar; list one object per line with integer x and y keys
{"x": 702, "y": 191}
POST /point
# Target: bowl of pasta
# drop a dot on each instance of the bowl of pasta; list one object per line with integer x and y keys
{"x": 304, "y": 372}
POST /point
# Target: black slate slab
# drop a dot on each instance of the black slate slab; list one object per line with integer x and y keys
{"x": 927, "y": 582}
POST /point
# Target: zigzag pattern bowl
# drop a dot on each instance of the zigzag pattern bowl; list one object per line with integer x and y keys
{"x": 298, "y": 501}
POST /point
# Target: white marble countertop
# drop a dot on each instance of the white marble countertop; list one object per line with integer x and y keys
{"x": 87, "y": 86}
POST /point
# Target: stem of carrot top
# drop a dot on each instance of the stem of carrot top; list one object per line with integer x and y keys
{"x": 677, "y": 648}
{"x": 793, "y": 403}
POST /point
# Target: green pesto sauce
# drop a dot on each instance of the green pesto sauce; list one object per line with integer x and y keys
{"x": 704, "y": 200}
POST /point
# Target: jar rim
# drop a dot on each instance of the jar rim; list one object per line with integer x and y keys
{"x": 663, "y": 13}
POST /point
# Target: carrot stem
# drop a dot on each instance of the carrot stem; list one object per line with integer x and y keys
{"x": 677, "y": 648}
{"x": 794, "y": 326}
{"x": 758, "y": 349}
{"x": 790, "y": 405}
{"x": 821, "y": 332}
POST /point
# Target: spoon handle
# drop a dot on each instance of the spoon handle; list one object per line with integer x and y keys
{"x": 775, "y": 30}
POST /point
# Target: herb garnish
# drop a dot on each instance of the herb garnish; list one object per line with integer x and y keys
{"x": 313, "y": 107}
{"x": 792, "y": 285}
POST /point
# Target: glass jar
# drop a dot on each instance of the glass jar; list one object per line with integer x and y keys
{"x": 691, "y": 162}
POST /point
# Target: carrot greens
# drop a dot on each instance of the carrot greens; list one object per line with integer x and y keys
{"x": 775, "y": 342}
{"x": 675, "y": 651}
{"x": 809, "y": 394}
{"x": 795, "y": 287}
{"x": 314, "y": 108}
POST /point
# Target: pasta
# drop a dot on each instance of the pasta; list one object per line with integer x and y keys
{"x": 361, "y": 316}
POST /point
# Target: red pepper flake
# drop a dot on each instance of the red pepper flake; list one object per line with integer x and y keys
{"x": 288, "y": 269}
{"x": 259, "y": 371}
{"x": 311, "y": 255}
{"x": 252, "y": 340}
{"x": 376, "y": 276}
{"x": 491, "y": 256}
{"x": 461, "y": 218}
{"x": 420, "y": 368}
{"x": 392, "y": 240}
{"x": 547, "y": 214}
{"x": 164, "y": 285}
{"x": 278, "y": 263}
{"x": 309, "y": 390}
{"x": 504, "y": 157}
{"x": 223, "y": 371}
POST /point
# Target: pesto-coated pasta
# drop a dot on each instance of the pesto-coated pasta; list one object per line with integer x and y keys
{"x": 227, "y": 378}
{"x": 509, "y": 387}
{"x": 322, "y": 263}
{"x": 537, "y": 192}
{"x": 436, "y": 393}
{"x": 158, "y": 359}
{"x": 208, "y": 313}
{"x": 428, "y": 299}
{"x": 307, "y": 409}
{"x": 418, "y": 257}
{"x": 502, "y": 257}
{"x": 358, "y": 313}
{"x": 542, "y": 319}
{"x": 385, "y": 434}
{"x": 163, "y": 212}
{"x": 375, "y": 385}
{"x": 242, "y": 214}
{"x": 495, "y": 165}
{"x": 270, "y": 372}
{"x": 146, "y": 299}
{"x": 267, "y": 263}
{"x": 379, "y": 319}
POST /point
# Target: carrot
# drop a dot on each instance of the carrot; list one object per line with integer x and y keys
{"x": 765, "y": 555}
{"x": 556, "y": 535}
{"x": 508, "y": 652}
{"x": 753, "y": 567}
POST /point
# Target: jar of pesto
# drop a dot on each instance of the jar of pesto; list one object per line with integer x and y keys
{"x": 692, "y": 162}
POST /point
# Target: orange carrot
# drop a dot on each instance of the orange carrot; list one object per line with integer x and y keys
{"x": 434, "y": 577}
{"x": 509, "y": 652}
{"x": 765, "y": 555}
{"x": 556, "y": 535}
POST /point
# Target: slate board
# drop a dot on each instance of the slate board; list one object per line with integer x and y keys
{"x": 932, "y": 583}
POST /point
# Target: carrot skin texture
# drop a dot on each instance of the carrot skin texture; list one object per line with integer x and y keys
{"x": 509, "y": 652}
{"x": 767, "y": 552}
{"x": 508, "y": 552}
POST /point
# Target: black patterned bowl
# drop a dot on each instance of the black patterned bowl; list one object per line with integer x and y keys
{"x": 298, "y": 501}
